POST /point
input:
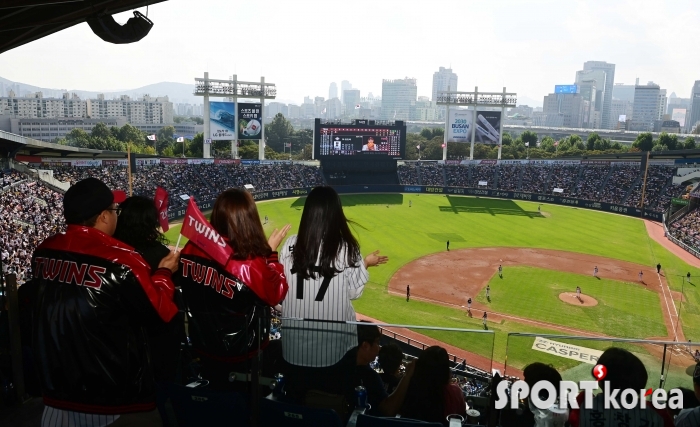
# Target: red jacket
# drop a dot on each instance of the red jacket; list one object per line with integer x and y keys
{"x": 226, "y": 304}
{"x": 94, "y": 297}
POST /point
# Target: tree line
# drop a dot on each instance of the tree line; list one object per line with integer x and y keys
{"x": 428, "y": 144}
{"x": 284, "y": 143}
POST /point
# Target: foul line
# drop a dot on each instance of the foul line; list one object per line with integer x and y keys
{"x": 663, "y": 292}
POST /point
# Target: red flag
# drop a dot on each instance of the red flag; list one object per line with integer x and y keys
{"x": 161, "y": 202}
{"x": 196, "y": 228}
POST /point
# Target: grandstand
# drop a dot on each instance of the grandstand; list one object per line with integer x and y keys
{"x": 33, "y": 182}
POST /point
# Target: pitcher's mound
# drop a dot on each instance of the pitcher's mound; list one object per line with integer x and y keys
{"x": 585, "y": 301}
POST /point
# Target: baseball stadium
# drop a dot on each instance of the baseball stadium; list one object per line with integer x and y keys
{"x": 331, "y": 274}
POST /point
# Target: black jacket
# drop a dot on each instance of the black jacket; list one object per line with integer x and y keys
{"x": 224, "y": 304}
{"x": 95, "y": 297}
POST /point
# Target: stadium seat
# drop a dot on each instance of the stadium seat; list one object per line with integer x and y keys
{"x": 370, "y": 421}
{"x": 201, "y": 407}
{"x": 280, "y": 414}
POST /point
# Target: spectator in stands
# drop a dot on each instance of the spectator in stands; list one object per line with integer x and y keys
{"x": 324, "y": 265}
{"x": 138, "y": 227}
{"x": 381, "y": 402}
{"x": 431, "y": 395}
{"x": 690, "y": 416}
{"x": 534, "y": 373}
{"x": 390, "y": 358}
{"x": 226, "y": 307}
{"x": 102, "y": 308}
{"x": 624, "y": 371}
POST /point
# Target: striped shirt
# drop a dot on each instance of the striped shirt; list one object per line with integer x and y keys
{"x": 318, "y": 344}
{"x": 54, "y": 417}
{"x": 688, "y": 418}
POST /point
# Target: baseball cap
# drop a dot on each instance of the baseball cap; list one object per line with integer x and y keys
{"x": 87, "y": 198}
{"x": 694, "y": 371}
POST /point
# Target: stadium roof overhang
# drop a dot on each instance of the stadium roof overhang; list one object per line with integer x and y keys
{"x": 11, "y": 145}
{"x": 23, "y": 21}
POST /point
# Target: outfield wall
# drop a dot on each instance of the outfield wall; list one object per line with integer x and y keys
{"x": 423, "y": 189}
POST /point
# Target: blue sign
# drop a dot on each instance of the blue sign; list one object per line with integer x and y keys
{"x": 565, "y": 89}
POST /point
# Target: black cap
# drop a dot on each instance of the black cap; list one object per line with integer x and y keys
{"x": 88, "y": 198}
{"x": 694, "y": 371}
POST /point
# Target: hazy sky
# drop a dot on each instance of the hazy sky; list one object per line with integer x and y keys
{"x": 304, "y": 45}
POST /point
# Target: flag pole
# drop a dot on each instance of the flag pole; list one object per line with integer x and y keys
{"x": 128, "y": 157}
{"x": 177, "y": 245}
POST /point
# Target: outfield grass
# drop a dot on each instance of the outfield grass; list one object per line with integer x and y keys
{"x": 386, "y": 222}
{"x": 624, "y": 310}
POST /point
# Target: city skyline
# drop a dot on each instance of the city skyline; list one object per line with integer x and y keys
{"x": 528, "y": 62}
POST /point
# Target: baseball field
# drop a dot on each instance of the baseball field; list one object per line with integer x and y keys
{"x": 545, "y": 255}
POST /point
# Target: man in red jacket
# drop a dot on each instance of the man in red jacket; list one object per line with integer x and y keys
{"x": 95, "y": 297}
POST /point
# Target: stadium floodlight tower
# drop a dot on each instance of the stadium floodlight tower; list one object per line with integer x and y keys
{"x": 233, "y": 89}
{"x": 475, "y": 99}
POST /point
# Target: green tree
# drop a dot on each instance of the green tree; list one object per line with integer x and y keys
{"x": 529, "y": 136}
{"x": 689, "y": 143}
{"x": 644, "y": 141}
{"x": 195, "y": 147}
{"x": 278, "y": 132}
{"x": 577, "y": 142}
{"x": 590, "y": 142}
{"x": 129, "y": 133}
{"x": 507, "y": 139}
{"x": 671, "y": 141}
{"x": 601, "y": 144}
{"x": 78, "y": 138}
{"x": 616, "y": 146}
{"x": 426, "y": 134}
{"x": 659, "y": 147}
{"x": 547, "y": 144}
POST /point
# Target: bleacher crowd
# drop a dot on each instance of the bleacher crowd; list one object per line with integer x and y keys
{"x": 620, "y": 185}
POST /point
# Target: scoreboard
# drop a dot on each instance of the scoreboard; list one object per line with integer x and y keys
{"x": 361, "y": 137}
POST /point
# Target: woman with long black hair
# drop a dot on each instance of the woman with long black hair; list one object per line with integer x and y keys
{"x": 325, "y": 271}
{"x": 138, "y": 227}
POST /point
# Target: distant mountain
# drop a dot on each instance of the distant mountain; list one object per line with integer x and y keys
{"x": 176, "y": 92}
{"x": 524, "y": 100}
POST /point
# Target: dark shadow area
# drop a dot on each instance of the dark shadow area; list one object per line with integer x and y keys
{"x": 597, "y": 277}
{"x": 487, "y": 206}
{"x": 360, "y": 200}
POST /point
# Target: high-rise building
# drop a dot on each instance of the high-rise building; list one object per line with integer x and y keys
{"x": 623, "y": 92}
{"x": 565, "y": 110}
{"x": 663, "y": 100}
{"x": 398, "y": 96}
{"x": 622, "y": 111}
{"x": 645, "y": 110}
{"x": 333, "y": 91}
{"x": 344, "y": 85}
{"x": 351, "y": 99}
{"x": 606, "y": 88}
{"x": 443, "y": 79}
{"x": 693, "y": 119}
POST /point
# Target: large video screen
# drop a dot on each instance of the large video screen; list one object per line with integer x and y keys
{"x": 362, "y": 137}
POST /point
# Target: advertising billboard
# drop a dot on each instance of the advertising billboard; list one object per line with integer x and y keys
{"x": 565, "y": 89}
{"x": 488, "y": 127}
{"x": 460, "y": 128}
{"x": 249, "y": 121}
{"x": 222, "y": 120}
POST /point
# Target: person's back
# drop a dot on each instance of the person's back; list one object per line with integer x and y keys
{"x": 624, "y": 371}
{"x": 94, "y": 298}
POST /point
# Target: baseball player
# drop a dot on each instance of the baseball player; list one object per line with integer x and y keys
{"x": 488, "y": 292}
{"x": 469, "y": 304}
{"x": 448, "y": 245}
{"x": 410, "y": 203}
{"x": 500, "y": 271}
{"x": 688, "y": 276}
{"x": 483, "y": 319}
{"x": 595, "y": 271}
{"x": 658, "y": 268}
{"x": 408, "y": 292}
{"x": 266, "y": 219}
{"x": 578, "y": 292}
{"x": 640, "y": 275}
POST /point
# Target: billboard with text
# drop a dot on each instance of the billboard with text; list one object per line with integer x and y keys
{"x": 460, "y": 127}
{"x": 222, "y": 120}
{"x": 488, "y": 127}
{"x": 249, "y": 121}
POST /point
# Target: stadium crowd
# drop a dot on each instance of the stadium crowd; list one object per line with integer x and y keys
{"x": 687, "y": 229}
{"x": 597, "y": 182}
